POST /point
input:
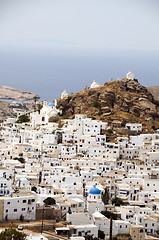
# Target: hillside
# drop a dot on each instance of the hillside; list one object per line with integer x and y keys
{"x": 154, "y": 91}
{"x": 5, "y": 111}
{"x": 15, "y": 94}
{"x": 122, "y": 100}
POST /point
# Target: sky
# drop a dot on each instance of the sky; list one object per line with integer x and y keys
{"x": 50, "y": 45}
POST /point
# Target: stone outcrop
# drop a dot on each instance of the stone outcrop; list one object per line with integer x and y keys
{"x": 155, "y": 92}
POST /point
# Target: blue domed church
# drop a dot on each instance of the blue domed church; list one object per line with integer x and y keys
{"x": 94, "y": 200}
{"x": 94, "y": 194}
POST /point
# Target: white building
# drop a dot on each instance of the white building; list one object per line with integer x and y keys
{"x": 42, "y": 118}
{"x": 94, "y": 84}
{"x": 18, "y": 204}
{"x": 64, "y": 94}
{"x": 130, "y": 76}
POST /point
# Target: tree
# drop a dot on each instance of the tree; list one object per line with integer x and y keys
{"x": 101, "y": 234}
{"x": 88, "y": 237}
{"x": 109, "y": 214}
{"x": 20, "y": 159}
{"x": 49, "y": 201}
{"x": 39, "y": 107}
{"x": 23, "y": 118}
{"x": 35, "y": 98}
{"x": 105, "y": 196}
{"x": 115, "y": 238}
{"x": 117, "y": 201}
{"x": 12, "y": 234}
{"x": 21, "y": 218}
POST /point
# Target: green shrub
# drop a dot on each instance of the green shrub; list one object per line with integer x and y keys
{"x": 69, "y": 98}
{"x": 100, "y": 113}
{"x": 93, "y": 118}
{"x": 153, "y": 127}
{"x": 34, "y": 189}
{"x": 101, "y": 234}
{"x": 20, "y": 159}
{"x": 156, "y": 102}
{"x": 23, "y": 118}
{"x": 109, "y": 214}
{"x": 110, "y": 130}
{"x": 12, "y": 234}
{"x": 49, "y": 201}
{"x": 117, "y": 201}
{"x": 96, "y": 104}
{"x": 21, "y": 218}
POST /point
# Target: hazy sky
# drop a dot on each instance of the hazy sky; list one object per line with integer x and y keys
{"x": 36, "y": 33}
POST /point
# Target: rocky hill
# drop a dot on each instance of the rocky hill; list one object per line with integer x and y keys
{"x": 116, "y": 101}
{"x": 154, "y": 91}
{"x": 15, "y": 94}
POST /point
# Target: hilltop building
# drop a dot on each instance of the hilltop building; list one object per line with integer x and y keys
{"x": 64, "y": 94}
{"x": 130, "y": 76}
{"x": 94, "y": 84}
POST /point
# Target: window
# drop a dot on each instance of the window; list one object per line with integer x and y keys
{"x": 6, "y": 210}
{"x": 24, "y": 201}
{"x": 23, "y": 209}
{"x": 15, "y": 210}
{"x": 8, "y": 203}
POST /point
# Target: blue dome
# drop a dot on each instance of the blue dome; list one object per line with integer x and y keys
{"x": 94, "y": 191}
{"x": 51, "y": 104}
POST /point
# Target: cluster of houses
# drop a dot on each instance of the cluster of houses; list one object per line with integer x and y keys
{"x": 76, "y": 166}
